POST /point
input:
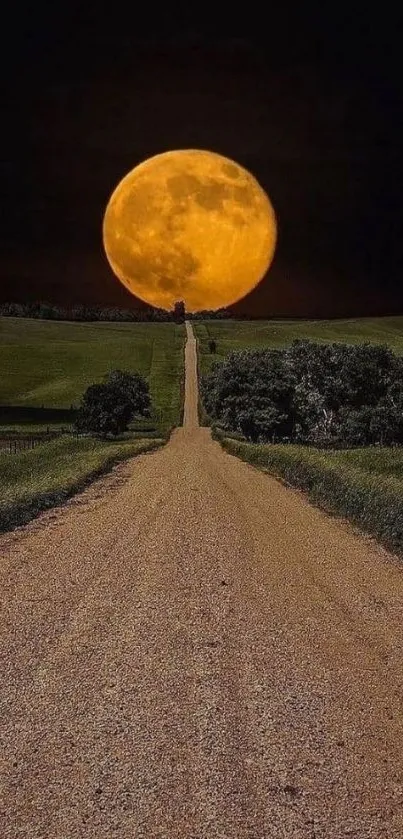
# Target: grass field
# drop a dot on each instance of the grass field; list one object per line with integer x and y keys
{"x": 47, "y": 365}
{"x": 34, "y": 480}
{"x": 239, "y": 335}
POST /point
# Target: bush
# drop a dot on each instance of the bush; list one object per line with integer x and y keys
{"x": 318, "y": 394}
{"x": 107, "y": 408}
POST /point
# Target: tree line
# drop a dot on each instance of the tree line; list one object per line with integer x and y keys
{"x": 328, "y": 395}
{"x": 81, "y": 312}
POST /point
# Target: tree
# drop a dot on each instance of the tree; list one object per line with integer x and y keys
{"x": 179, "y": 312}
{"x": 107, "y": 408}
{"x": 310, "y": 393}
{"x": 134, "y": 388}
{"x": 251, "y": 392}
{"x": 210, "y": 314}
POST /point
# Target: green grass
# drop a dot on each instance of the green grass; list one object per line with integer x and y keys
{"x": 37, "y": 479}
{"x": 239, "y": 335}
{"x": 47, "y": 365}
{"x": 364, "y": 485}
{"x": 371, "y": 461}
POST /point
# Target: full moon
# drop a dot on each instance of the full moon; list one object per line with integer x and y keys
{"x": 189, "y": 225}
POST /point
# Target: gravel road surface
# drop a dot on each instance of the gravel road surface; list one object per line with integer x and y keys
{"x": 189, "y": 649}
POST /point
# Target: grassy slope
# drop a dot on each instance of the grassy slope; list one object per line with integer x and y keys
{"x": 48, "y": 363}
{"x": 238, "y": 335}
{"x": 34, "y": 480}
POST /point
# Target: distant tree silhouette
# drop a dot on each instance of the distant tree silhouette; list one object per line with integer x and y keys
{"x": 79, "y": 312}
{"x": 179, "y": 312}
{"x": 211, "y": 314}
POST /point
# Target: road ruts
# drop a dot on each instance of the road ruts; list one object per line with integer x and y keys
{"x": 189, "y": 650}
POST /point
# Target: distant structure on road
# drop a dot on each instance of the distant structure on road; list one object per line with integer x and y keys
{"x": 179, "y": 312}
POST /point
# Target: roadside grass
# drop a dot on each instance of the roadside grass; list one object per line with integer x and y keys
{"x": 37, "y": 479}
{"x": 232, "y": 335}
{"x": 363, "y": 485}
{"x": 47, "y": 365}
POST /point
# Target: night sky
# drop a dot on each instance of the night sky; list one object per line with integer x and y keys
{"x": 310, "y": 103}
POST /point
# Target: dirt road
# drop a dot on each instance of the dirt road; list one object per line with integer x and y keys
{"x": 189, "y": 649}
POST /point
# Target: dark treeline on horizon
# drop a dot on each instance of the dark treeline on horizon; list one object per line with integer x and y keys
{"x": 42, "y": 310}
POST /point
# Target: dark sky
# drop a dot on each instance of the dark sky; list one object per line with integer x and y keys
{"x": 310, "y": 102}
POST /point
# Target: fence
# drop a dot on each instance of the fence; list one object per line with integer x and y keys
{"x": 14, "y": 445}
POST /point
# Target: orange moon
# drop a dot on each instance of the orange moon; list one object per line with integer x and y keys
{"x": 189, "y": 225}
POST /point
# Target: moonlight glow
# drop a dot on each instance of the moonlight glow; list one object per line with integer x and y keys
{"x": 189, "y": 225}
